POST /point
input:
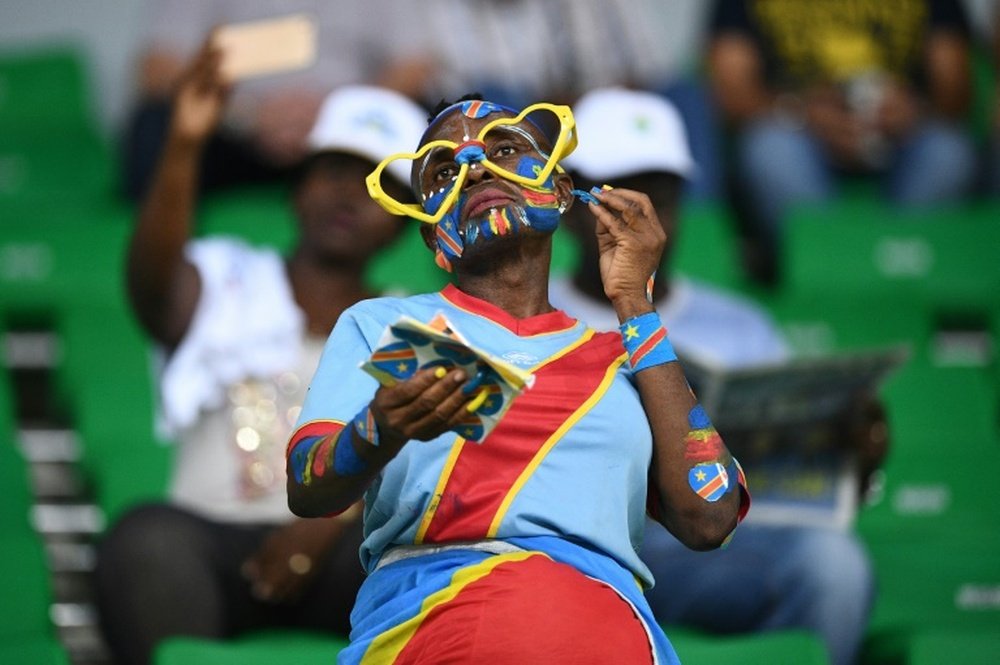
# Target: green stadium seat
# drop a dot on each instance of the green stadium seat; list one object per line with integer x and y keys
{"x": 63, "y": 171}
{"x": 50, "y": 144}
{"x": 933, "y": 535}
{"x": 106, "y": 383}
{"x": 16, "y": 506}
{"x": 48, "y": 265}
{"x": 44, "y": 86}
{"x": 945, "y": 257}
{"x": 33, "y": 651}
{"x": 818, "y": 325}
{"x": 771, "y": 648}
{"x": 14, "y": 478}
{"x": 263, "y": 648}
{"x": 959, "y": 646}
{"x": 707, "y": 247}
{"x": 25, "y": 615}
{"x": 931, "y": 584}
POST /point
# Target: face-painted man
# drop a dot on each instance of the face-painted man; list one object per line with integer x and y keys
{"x": 485, "y": 171}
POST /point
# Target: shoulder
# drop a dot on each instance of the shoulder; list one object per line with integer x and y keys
{"x": 387, "y": 309}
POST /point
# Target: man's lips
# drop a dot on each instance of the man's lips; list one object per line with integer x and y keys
{"x": 483, "y": 200}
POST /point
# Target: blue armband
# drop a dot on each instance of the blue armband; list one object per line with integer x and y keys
{"x": 646, "y": 341}
{"x": 346, "y": 461}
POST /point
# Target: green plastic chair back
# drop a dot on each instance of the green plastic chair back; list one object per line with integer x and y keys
{"x": 263, "y": 648}
{"x": 106, "y": 384}
{"x": 770, "y": 648}
{"x": 44, "y": 86}
{"x": 706, "y": 245}
{"x": 945, "y": 257}
{"x": 26, "y": 580}
{"x": 33, "y": 651}
{"x": 50, "y": 264}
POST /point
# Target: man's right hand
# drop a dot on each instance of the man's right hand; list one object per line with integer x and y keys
{"x": 201, "y": 97}
{"x": 422, "y": 407}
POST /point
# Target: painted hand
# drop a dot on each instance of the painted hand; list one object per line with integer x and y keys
{"x": 630, "y": 240}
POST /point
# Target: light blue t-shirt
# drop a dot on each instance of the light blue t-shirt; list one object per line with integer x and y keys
{"x": 569, "y": 459}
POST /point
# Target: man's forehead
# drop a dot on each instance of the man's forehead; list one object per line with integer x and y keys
{"x": 465, "y": 120}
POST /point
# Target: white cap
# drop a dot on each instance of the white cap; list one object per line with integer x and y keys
{"x": 623, "y": 132}
{"x": 370, "y": 122}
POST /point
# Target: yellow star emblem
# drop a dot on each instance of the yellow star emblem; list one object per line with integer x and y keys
{"x": 631, "y": 332}
{"x": 700, "y": 476}
{"x": 401, "y": 367}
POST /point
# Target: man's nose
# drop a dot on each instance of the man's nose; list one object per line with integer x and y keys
{"x": 477, "y": 173}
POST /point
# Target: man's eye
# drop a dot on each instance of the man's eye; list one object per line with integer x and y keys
{"x": 503, "y": 150}
{"x": 445, "y": 172}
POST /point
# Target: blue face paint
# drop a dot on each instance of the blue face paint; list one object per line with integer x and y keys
{"x": 541, "y": 211}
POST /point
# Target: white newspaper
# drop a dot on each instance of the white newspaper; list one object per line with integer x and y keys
{"x": 786, "y": 423}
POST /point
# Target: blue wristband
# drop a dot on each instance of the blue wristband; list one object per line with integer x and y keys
{"x": 364, "y": 424}
{"x": 646, "y": 341}
{"x": 346, "y": 461}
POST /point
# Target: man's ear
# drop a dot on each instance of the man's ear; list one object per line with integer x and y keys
{"x": 428, "y": 235}
{"x": 564, "y": 191}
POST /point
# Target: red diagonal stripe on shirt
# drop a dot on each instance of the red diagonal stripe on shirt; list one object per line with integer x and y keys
{"x": 484, "y": 473}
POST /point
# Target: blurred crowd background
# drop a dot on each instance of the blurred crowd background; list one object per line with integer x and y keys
{"x": 859, "y": 250}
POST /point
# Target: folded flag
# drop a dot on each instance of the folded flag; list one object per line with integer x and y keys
{"x": 408, "y": 346}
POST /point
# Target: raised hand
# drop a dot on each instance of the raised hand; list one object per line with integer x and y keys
{"x": 201, "y": 96}
{"x": 630, "y": 240}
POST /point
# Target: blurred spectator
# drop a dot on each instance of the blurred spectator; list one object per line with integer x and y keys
{"x": 817, "y": 90}
{"x": 517, "y": 52}
{"x": 263, "y": 133}
{"x": 244, "y": 328}
{"x": 775, "y": 574}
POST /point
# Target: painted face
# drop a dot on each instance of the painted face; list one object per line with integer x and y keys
{"x": 493, "y": 198}
{"x": 485, "y": 171}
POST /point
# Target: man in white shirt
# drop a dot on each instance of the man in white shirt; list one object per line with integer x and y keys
{"x": 242, "y": 329}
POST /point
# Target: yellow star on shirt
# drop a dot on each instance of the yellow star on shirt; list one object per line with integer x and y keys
{"x": 700, "y": 476}
{"x": 401, "y": 367}
{"x": 631, "y": 332}
{"x": 469, "y": 432}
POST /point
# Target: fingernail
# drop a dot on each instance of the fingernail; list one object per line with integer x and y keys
{"x": 477, "y": 401}
{"x": 460, "y": 376}
{"x": 472, "y": 384}
{"x": 440, "y": 372}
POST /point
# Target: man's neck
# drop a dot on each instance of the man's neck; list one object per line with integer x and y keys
{"x": 515, "y": 279}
